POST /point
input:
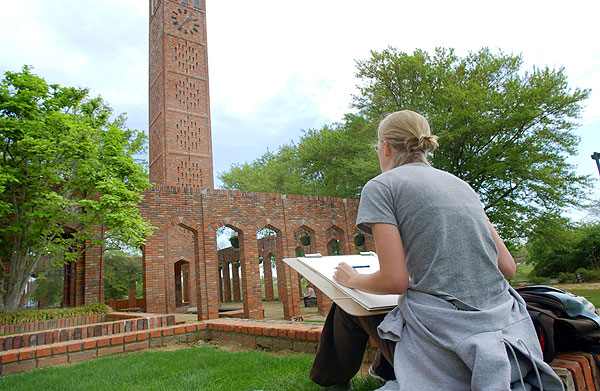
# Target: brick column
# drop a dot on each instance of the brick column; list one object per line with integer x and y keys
{"x": 220, "y": 276}
{"x": 250, "y": 277}
{"x": 287, "y": 280}
{"x": 154, "y": 273}
{"x": 94, "y": 269}
{"x": 207, "y": 262}
{"x": 132, "y": 294}
{"x": 323, "y": 302}
{"x": 268, "y": 278}
{"x": 227, "y": 282}
{"x": 237, "y": 292}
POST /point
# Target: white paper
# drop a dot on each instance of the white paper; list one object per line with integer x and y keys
{"x": 364, "y": 264}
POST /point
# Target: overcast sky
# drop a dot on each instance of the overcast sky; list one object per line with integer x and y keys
{"x": 279, "y": 67}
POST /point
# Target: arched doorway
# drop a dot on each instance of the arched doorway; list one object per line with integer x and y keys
{"x": 182, "y": 283}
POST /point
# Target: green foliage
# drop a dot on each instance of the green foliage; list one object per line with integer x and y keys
{"x": 334, "y": 161}
{"x": 566, "y": 278}
{"x": 558, "y": 247}
{"x": 504, "y": 130}
{"x": 53, "y": 313}
{"x": 198, "y": 368}
{"x": 588, "y": 275}
{"x": 66, "y": 168}
{"x": 121, "y": 271}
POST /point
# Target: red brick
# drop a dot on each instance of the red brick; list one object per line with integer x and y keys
{"x": 73, "y": 346}
{"x": 127, "y": 338}
{"x": 313, "y": 335}
{"x": 249, "y": 341}
{"x": 142, "y": 335}
{"x": 8, "y": 356}
{"x": 59, "y": 348}
{"x": 89, "y": 344}
{"x": 118, "y": 340}
{"x": 82, "y": 356}
{"x": 167, "y": 332}
{"x": 26, "y": 353}
{"x": 42, "y": 362}
{"x": 155, "y": 334}
{"x": 43, "y": 351}
{"x": 190, "y": 328}
{"x": 179, "y": 330}
{"x": 136, "y": 346}
{"x": 20, "y": 366}
{"x": 110, "y": 350}
{"x": 103, "y": 341}
{"x": 575, "y": 370}
{"x": 585, "y": 366}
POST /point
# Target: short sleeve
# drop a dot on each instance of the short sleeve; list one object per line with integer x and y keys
{"x": 376, "y": 206}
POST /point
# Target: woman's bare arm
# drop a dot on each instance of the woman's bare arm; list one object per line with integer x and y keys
{"x": 392, "y": 277}
{"x": 506, "y": 263}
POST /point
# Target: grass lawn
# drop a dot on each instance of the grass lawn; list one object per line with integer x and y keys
{"x": 192, "y": 368}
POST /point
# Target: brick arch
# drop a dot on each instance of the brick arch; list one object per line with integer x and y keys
{"x": 336, "y": 233}
{"x": 312, "y": 247}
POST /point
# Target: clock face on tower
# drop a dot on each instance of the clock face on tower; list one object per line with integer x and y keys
{"x": 185, "y": 21}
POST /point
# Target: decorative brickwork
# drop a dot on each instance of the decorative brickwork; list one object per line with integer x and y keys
{"x": 181, "y": 264}
{"x": 180, "y": 141}
{"x": 173, "y": 210}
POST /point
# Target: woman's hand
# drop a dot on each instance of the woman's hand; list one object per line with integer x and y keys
{"x": 344, "y": 274}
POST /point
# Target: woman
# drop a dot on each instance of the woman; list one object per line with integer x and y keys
{"x": 458, "y": 325}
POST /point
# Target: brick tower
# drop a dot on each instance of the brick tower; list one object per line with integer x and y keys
{"x": 180, "y": 152}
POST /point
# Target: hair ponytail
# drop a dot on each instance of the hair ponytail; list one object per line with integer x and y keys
{"x": 409, "y": 134}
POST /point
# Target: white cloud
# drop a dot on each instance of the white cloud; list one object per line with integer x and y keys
{"x": 277, "y": 67}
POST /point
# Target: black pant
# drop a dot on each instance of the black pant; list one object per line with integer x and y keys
{"x": 310, "y": 300}
{"x": 342, "y": 345}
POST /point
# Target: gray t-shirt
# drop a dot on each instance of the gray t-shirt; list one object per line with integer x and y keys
{"x": 448, "y": 246}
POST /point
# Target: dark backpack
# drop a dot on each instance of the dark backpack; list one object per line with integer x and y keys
{"x": 561, "y": 321}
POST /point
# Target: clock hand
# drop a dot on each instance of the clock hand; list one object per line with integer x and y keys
{"x": 182, "y": 24}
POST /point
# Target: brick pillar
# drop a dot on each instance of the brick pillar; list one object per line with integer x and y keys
{"x": 154, "y": 273}
{"x": 268, "y": 279}
{"x": 207, "y": 267}
{"x": 287, "y": 278}
{"x": 323, "y": 302}
{"x": 250, "y": 277}
{"x": 220, "y": 276}
{"x": 237, "y": 292}
{"x": 79, "y": 279}
{"x": 132, "y": 293}
{"x": 94, "y": 269}
{"x": 227, "y": 282}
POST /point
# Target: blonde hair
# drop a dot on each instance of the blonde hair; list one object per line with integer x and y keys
{"x": 409, "y": 134}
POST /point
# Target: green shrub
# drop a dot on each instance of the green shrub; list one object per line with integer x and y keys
{"x": 588, "y": 275}
{"x": 52, "y": 313}
{"x": 567, "y": 278}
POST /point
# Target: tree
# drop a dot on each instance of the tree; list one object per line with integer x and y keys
{"x": 334, "y": 161}
{"x": 505, "y": 131}
{"x": 66, "y": 168}
{"x": 563, "y": 247}
{"x": 121, "y": 272}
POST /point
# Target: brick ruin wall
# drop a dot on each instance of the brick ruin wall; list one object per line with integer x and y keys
{"x": 187, "y": 222}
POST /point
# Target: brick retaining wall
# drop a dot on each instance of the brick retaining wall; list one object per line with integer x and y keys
{"x": 51, "y": 324}
{"x": 577, "y": 370}
{"x": 100, "y": 326}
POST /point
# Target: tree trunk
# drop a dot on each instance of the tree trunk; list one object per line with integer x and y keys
{"x": 18, "y": 275}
